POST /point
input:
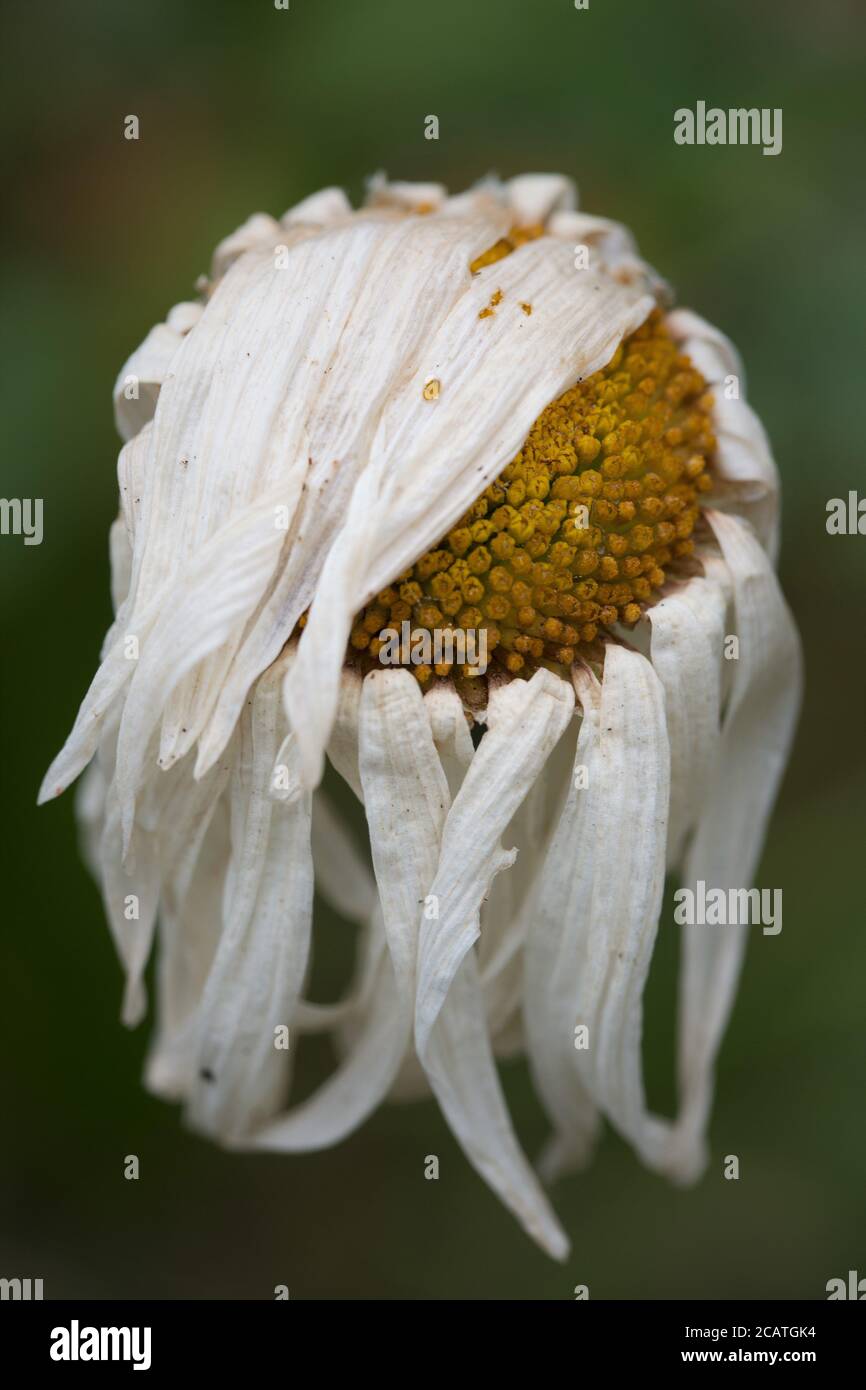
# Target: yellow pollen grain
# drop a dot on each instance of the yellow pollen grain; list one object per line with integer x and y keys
{"x": 579, "y": 532}
{"x": 517, "y": 236}
{"x": 495, "y": 299}
{"x": 431, "y": 390}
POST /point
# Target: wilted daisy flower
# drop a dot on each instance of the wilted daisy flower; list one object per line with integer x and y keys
{"x": 441, "y": 491}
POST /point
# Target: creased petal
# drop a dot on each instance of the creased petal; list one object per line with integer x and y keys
{"x": 190, "y": 918}
{"x": 533, "y": 198}
{"x": 525, "y": 721}
{"x": 406, "y": 798}
{"x": 138, "y": 382}
{"x": 551, "y": 958}
{"x": 326, "y": 206}
{"x": 613, "y": 243}
{"x": 260, "y": 232}
{"x": 508, "y": 911}
{"x": 758, "y": 727}
{"x": 215, "y": 593}
{"x": 378, "y": 325}
{"x": 600, "y": 900}
{"x": 120, "y": 558}
{"x": 408, "y": 197}
{"x": 687, "y": 651}
{"x": 261, "y": 959}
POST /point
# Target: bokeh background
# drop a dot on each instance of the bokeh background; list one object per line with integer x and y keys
{"x": 245, "y": 107}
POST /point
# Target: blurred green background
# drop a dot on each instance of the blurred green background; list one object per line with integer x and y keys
{"x": 244, "y": 107}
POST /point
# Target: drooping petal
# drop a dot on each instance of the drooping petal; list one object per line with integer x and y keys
{"x": 190, "y": 920}
{"x": 406, "y": 799}
{"x": 261, "y": 959}
{"x": 686, "y": 652}
{"x": 351, "y": 890}
{"x": 218, "y": 589}
{"x": 758, "y": 726}
{"x": 450, "y": 731}
{"x": 598, "y": 908}
{"x": 508, "y": 911}
{"x": 552, "y": 958}
{"x": 120, "y": 559}
{"x": 525, "y": 720}
{"x": 130, "y": 894}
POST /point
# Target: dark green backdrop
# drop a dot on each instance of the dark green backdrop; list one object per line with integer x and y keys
{"x": 245, "y": 107}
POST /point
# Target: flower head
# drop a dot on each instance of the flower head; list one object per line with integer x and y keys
{"x": 419, "y": 489}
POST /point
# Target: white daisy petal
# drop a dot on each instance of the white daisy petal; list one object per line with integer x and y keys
{"x": 686, "y": 652}
{"x": 131, "y": 897}
{"x": 327, "y": 206}
{"x": 406, "y": 799}
{"x": 533, "y": 198}
{"x": 508, "y": 911}
{"x": 459, "y": 1063}
{"x": 120, "y": 557}
{"x": 612, "y": 243}
{"x": 604, "y": 912}
{"x": 345, "y": 881}
{"x": 451, "y": 735}
{"x": 217, "y": 591}
{"x": 345, "y": 737}
{"x": 189, "y": 928}
{"x": 136, "y": 389}
{"x": 525, "y": 721}
{"x": 756, "y": 735}
{"x": 453, "y": 741}
{"x": 385, "y": 322}
{"x": 408, "y": 197}
{"x": 261, "y": 958}
{"x": 554, "y": 949}
{"x": 259, "y": 233}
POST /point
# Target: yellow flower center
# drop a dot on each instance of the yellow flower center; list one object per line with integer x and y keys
{"x": 579, "y": 531}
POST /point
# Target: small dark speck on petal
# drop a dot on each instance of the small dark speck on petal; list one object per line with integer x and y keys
{"x": 206, "y": 1074}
